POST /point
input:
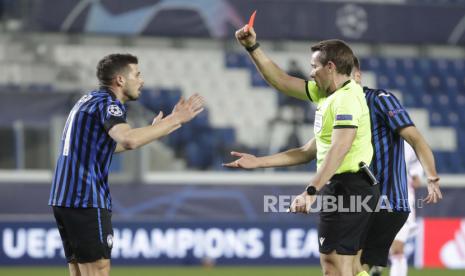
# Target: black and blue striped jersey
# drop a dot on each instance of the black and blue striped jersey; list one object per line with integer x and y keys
{"x": 81, "y": 175}
{"x": 388, "y": 116}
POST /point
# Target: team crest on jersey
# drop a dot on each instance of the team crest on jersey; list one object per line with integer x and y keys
{"x": 115, "y": 110}
{"x": 110, "y": 240}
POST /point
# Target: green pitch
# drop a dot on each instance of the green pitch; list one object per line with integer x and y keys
{"x": 197, "y": 271}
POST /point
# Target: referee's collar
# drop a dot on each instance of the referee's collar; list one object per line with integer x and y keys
{"x": 108, "y": 90}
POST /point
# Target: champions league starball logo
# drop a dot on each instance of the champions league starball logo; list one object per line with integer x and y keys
{"x": 352, "y": 21}
{"x": 114, "y": 110}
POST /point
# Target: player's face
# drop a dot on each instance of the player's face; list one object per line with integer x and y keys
{"x": 357, "y": 75}
{"x": 319, "y": 72}
{"x": 134, "y": 82}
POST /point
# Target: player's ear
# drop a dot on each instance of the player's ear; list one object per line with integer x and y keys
{"x": 120, "y": 80}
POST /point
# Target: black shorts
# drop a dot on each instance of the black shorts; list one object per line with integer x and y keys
{"x": 86, "y": 233}
{"x": 384, "y": 227}
{"x": 343, "y": 230}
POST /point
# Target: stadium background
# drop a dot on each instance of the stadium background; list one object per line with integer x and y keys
{"x": 173, "y": 202}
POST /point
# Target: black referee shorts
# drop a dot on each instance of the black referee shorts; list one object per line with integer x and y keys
{"x": 343, "y": 230}
{"x": 86, "y": 233}
{"x": 384, "y": 227}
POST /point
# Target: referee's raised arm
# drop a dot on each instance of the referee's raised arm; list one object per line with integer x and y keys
{"x": 275, "y": 76}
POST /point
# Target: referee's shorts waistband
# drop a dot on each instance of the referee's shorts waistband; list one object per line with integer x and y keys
{"x": 348, "y": 176}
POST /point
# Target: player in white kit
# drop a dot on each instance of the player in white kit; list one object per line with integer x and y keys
{"x": 415, "y": 174}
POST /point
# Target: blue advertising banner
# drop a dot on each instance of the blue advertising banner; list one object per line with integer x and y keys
{"x": 298, "y": 19}
{"x": 163, "y": 243}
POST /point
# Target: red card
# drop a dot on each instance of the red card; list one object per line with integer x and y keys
{"x": 251, "y": 21}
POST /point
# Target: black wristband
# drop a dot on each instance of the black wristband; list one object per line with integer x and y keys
{"x": 311, "y": 190}
{"x": 253, "y": 47}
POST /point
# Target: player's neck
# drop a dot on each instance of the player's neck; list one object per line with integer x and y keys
{"x": 117, "y": 93}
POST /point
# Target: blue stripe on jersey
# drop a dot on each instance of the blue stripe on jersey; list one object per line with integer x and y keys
{"x": 387, "y": 116}
{"x": 81, "y": 174}
{"x": 90, "y": 171}
{"x": 99, "y": 226}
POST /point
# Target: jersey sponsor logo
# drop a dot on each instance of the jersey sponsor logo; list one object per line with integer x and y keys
{"x": 394, "y": 112}
{"x": 343, "y": 117}
{"x": 318, "y": 123}
{"x": 115, "y": 110}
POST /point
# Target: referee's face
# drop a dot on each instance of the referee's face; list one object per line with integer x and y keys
{"x": 319, "y": 73}
{"x": 134, "y": 82}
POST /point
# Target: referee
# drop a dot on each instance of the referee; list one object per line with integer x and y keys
{"x": 96, "y": 128}
{"x": 391, "y": 124}
{"x": 343, "y": 140}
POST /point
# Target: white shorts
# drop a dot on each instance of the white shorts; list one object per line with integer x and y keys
{"x": 409, "y": 227}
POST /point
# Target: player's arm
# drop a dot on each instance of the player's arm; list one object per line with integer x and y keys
{"x": 292, "y": 157}
{"x": 275, "y": 76}
{"x": 120, "y": 148}
{"x": 426, "y": 158}
{"x": 398, "y": 119}
{"x": 129, "y": 138}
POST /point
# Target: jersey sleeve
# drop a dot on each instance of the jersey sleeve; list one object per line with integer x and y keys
{"x": 347, "y": 111}
{"x": 394, "y": 114}
{"x": 313, "y": 92}
{"x": 111, "y": 113}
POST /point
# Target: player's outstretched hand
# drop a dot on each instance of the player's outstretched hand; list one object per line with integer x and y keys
{"x": 302, "y": 203}
{"x": 187, "y": 110}
{"x": 245, "y": 161}
{"x": 246, "y": 38}
{"x": 434, "y": 192}
{"x": 158, "y": 118}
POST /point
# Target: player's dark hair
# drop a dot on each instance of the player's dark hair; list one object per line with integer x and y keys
{"x": 113, "y": 64}
{"x": 338, "y": 52}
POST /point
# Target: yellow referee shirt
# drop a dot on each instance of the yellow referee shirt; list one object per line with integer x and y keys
{"x": 345, "y": 108}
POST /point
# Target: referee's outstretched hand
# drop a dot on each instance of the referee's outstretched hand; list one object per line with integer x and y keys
{"x": 246, "y": 38}
{"x": 245, "y": 161}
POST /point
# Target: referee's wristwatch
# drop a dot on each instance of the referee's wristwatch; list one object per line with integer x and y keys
{"x": 311, "y": 190}
{"x": 252, "y": 48}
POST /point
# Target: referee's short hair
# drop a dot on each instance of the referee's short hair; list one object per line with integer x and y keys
{"x": 338, "y": 52}
{"x": 113, "y": 64}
